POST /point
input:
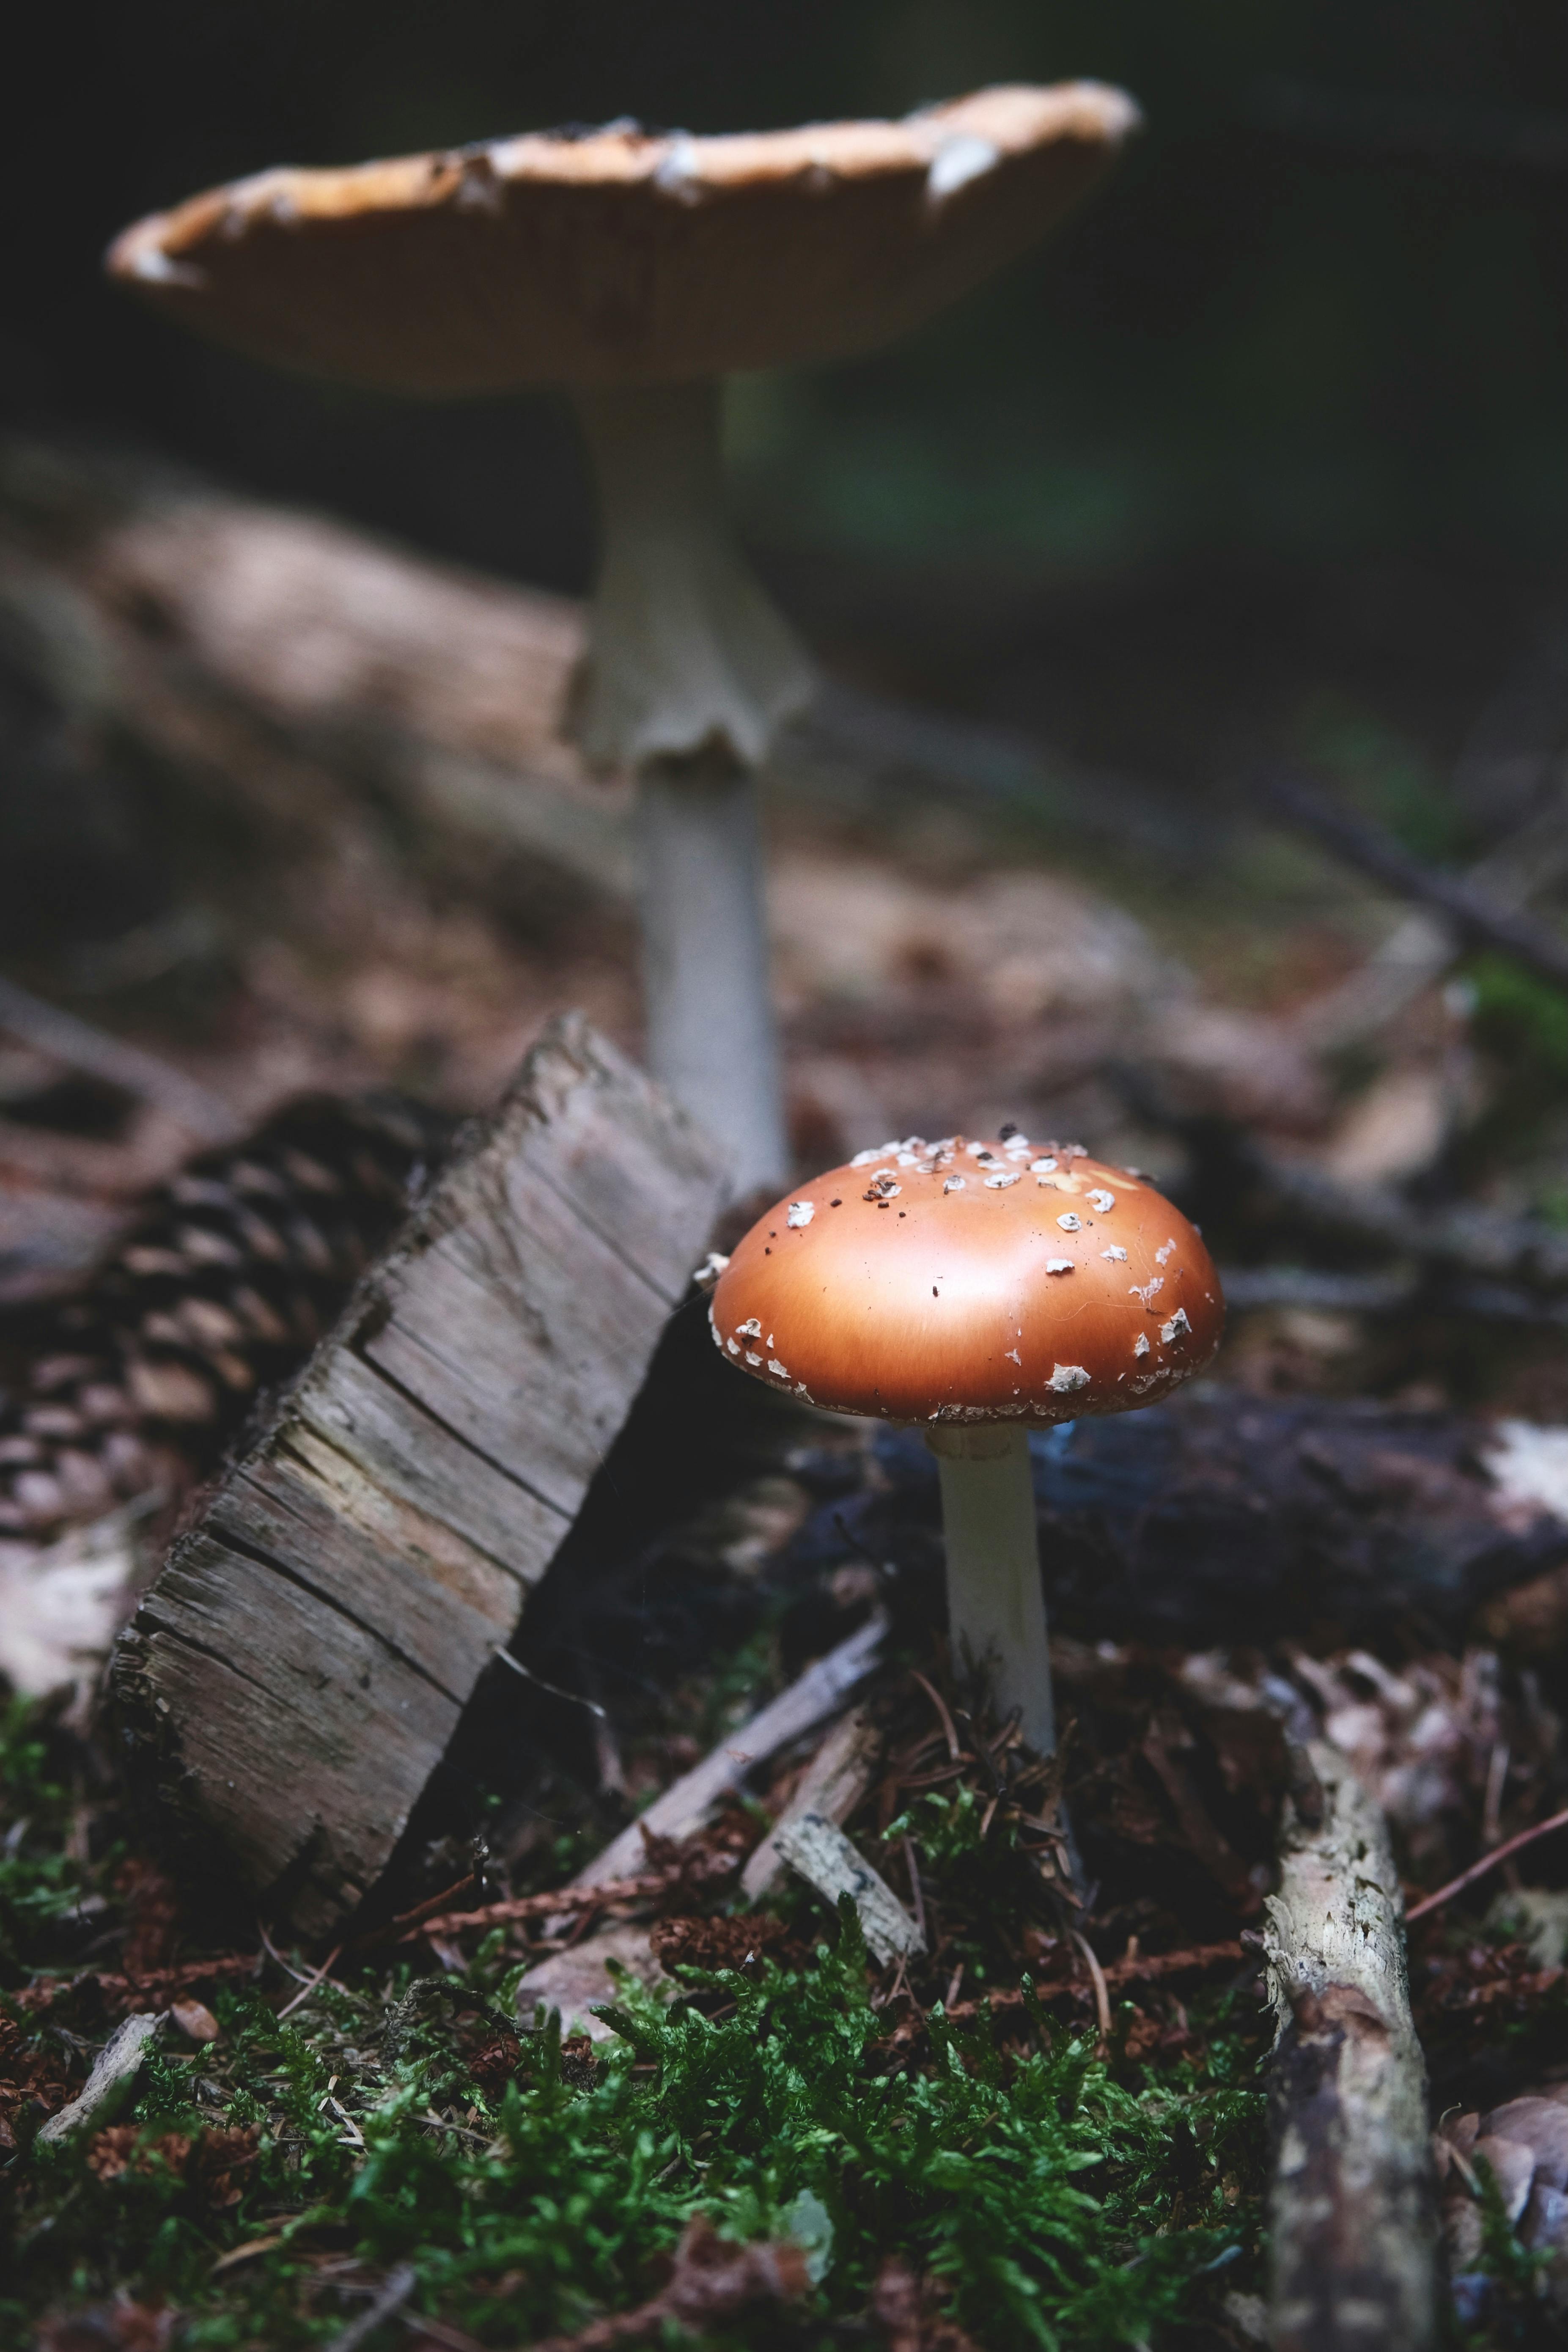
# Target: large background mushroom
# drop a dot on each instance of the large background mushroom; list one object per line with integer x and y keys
{"x": 637, "y": 270}
{"x": 976, "y": 1290}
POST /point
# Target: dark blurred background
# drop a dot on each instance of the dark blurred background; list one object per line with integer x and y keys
{"x": 1263, "y": 455}
{"x": 1316, "y": 316}
{"x": 1264, "y": 458}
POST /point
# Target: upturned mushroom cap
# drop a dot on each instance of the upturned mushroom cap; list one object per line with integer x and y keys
{"x": 621, "y": 257}
{"x": 971, "y": 1282}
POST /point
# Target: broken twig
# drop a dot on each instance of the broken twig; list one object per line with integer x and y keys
{"x": 561, "y": 1902}
{"x": 1097, "y": 1977}
{"x": 686, "y": 1804}
{"x": 1478, "y": 919}
{"x": 826, "y": 1860}
{"x": 833, "y": 1783}
{"x": 391, "y": 2296}
{"x": 1489, "y": 1862}
{"x": 80, "y": 1046}
{"x": 1422, "y": 945}
{"x": 1351, "y": 2196}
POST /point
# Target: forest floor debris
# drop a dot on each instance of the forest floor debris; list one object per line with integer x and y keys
{"x": 1049, "y": 2119}
{"x": 920, "y": 2132}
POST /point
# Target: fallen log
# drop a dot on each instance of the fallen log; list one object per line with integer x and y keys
{"x": 1351, "y": 2200}
{"x": 293, "y": 1675}
{"x": 1462, "y": 1240}
{"x": 1226, "y": 1517}
{"x": 347, "y": 662}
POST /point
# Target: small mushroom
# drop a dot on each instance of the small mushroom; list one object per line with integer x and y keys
{"x": 970, "y": 1316}
{"x": 636, "y": 270}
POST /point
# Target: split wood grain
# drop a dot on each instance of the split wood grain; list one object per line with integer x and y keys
{"x": 1350, "y": 2199}
{"x": 293, "y": 1675}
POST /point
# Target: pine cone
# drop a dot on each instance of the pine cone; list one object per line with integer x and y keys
{"x": 239, "y": 1265}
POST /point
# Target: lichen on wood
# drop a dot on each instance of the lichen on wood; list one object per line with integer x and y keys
{"x": 1352, "y": 2195}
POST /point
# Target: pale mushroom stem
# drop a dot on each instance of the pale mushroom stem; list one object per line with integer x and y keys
{"x": 996, "y": 1605}
{"x": 712, "y": 1036}
{"x": 688, "y": 676}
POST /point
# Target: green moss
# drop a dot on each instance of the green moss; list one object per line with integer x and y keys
{"x": 1524, "y": 1019}
{"x": 1060, "y": 2201}
{"x": 40, "y": 1882}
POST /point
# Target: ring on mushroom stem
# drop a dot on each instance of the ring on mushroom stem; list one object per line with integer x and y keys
{"x": 972, "y": 1317}
{"x": 636, "y": 270}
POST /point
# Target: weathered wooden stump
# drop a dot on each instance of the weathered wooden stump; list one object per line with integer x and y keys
{"x": 293, "y": 1675}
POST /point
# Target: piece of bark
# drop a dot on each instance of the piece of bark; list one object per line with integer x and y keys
{"x": 686, "y": 1802}
{"x": 293, "y": 1675}
{"x": 108, "y": 2087}
{"x": 833, "y": 1784}
{"x": 1350, "y": 2199}
{"x": 827, "y": 1861}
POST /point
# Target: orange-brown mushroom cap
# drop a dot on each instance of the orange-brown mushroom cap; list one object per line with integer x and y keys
{"x": 621, "y": 257}
{"x": 972, "y": 1281}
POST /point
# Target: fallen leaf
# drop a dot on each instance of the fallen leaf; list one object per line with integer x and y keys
{"x": 194, "y": 2020}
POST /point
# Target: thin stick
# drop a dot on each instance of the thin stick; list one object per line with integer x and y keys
{"x": 939, "y": 1703}
{"x": 560, "y": 1902}
{"x": 1479, "y": 1869}
{"x": 1477, "y": 917}
{"x": 410, "y": 1918}
{"x": 916, "y": 1892}
{"x": 817, "y": 1694}
{"x": 1420, "y": 949}
{"x": 82, "y": 1048}
{"x": 398, "y": 2286}
{"x": 1148, "y": 1969}
{"x": 277, "y": 1955}
{"x": 1101, "y": 1994}
{"x": 307, "y": 1990}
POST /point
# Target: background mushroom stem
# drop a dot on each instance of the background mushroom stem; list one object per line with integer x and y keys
{"x": 996, "y": 1606}
{"x": 712, "y": 1036}
{"x": 686, "y": 646}
{"x": 689, "y": 673}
